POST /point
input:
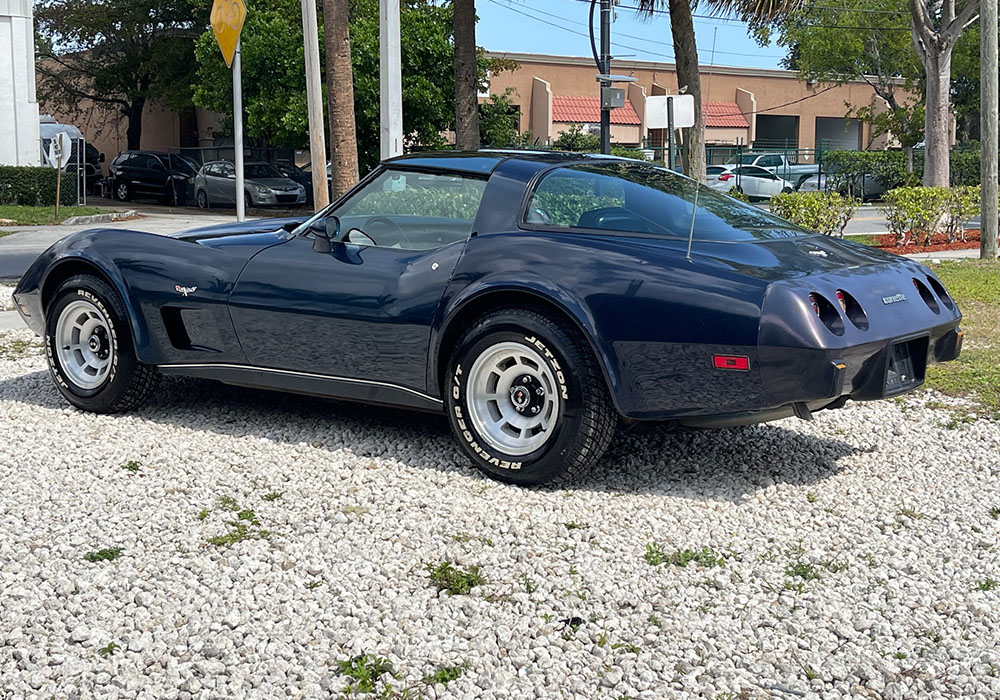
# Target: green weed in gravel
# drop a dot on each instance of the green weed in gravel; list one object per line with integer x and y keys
{"x": 704, "y": 557}
{"x": 108, "y": 650}
{"x": 446, "y": 674}
{"x": 453, "y": 579}
{"x": 132, "y": 466}
{"x": 108, "y": 554}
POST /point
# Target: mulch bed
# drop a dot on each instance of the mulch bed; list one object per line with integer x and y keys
{"x": 887, "y": 241}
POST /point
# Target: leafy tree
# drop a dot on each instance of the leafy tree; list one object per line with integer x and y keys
{"x": 842, "y": 45}
{"x": 274, "y": 84}
{"x": 499, "y": 120}
{"x": 965, "y": 83}
{"x": 116, "y": 54}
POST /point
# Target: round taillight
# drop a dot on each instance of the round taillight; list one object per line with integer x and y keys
{"x": 842, "y": 300}
{"x": 926, "y": 295}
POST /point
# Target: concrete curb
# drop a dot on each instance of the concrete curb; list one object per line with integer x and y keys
{"x": 101, "y": 218}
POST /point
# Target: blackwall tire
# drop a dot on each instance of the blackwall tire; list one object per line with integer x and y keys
{"x": 90, "y": 351}
{"x": 509, "y": 363}
{"x": 122, "y": 191}
{"x": 202, "y": 198}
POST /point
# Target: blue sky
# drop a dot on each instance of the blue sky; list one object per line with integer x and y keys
{"x": 549, "y": 26}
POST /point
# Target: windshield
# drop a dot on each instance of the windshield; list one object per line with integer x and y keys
{"x": 182, "y": 165}
{"x": 259, "y": 171}
{"x": 627, "y": 197}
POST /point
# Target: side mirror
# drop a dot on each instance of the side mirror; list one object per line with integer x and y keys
{"x": 101, "y": 158}
{"x": 325, "y": 231}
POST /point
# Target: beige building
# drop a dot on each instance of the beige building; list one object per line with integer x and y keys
{"x": 757, "y": 107}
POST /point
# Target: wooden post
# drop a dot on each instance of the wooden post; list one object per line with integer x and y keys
{"x": 314, "y": 97}
{"x": 988, "y": 129}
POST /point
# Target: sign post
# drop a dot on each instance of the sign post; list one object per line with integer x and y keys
{"x": 227, "y": 21}
{"x": 59, "y": 148}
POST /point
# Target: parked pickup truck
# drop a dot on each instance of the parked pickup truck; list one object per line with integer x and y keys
{"x": 779, "y": 165}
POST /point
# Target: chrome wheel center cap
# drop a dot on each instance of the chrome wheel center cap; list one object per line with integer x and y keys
{"x": 94, "y": 343}
{"x": 520, "y": 396}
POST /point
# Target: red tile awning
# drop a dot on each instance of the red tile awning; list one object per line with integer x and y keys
{"x": 587, "y": 110}
{"x": 724, "y": 114}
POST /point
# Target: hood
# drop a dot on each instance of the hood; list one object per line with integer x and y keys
{"x": 279, "y": 183}
{"x": 258, "y": 233}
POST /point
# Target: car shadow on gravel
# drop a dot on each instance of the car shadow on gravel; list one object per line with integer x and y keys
{"x": 722, "y": 464}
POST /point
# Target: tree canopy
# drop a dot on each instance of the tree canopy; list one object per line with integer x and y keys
{"x": 117, "y": 55}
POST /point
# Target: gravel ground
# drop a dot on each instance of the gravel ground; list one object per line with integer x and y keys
{"x": 6, "y": 301}
{"x": 854, "y": 556}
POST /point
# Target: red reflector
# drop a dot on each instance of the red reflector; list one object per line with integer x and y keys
{"x": 739, "y": 362}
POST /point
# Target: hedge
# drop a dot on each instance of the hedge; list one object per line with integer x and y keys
{"x": 823, "y": 212}
{"x": 920, "y": 212}
{"x": 889, "y": 167}
{"x": 34, "y": 186}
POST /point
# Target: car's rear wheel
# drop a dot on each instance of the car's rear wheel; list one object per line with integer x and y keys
{"x": 89, "y": 348}
{"x": 123, "y": 191}
{"x": 526, "y": 398}
{"x": 787, "y": 190}
{"x": 247, "y": 200}
{"x": 202, "y": 198}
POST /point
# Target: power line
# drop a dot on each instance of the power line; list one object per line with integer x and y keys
{"x": 640, "y": 38}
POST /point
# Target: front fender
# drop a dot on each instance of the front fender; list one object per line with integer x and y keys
{"x": 75, "y": 251}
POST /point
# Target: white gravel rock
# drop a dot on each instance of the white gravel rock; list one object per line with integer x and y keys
{"x": 857, "y": 552}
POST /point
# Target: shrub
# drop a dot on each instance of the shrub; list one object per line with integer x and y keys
{"x": 736, "y": 193}
{"x": 34, "y": 186}
{"x": 824, "y": 212}
{"x": 920, "y": 212}
{"x": 577, "y": 140}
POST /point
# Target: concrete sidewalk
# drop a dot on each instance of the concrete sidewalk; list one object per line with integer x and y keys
{"x": 19, "y": 249}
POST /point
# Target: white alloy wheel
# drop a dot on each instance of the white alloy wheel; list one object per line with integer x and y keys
{"x": 513, "y": 398}
{"x": 85, "y": 344}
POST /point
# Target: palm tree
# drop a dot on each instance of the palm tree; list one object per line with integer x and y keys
{"x": 340, "y": 96}
{"x": 466, "y": 69}
{"x": 686, "y": 59}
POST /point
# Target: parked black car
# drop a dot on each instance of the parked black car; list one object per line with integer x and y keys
{"x": 166, "y": 176}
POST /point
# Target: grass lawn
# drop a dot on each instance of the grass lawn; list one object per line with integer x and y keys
{"x": 975, "y": 285}
{"x": 33, "y": 216}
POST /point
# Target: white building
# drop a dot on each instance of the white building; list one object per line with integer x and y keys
{"x": 18, "y": 108}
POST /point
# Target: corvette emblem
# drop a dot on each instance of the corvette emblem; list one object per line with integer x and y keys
{"x": 894, "y": 299}
{"x": 185, "y": 290}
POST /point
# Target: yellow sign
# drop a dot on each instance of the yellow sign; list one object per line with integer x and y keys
{"x": 227, "y": 23}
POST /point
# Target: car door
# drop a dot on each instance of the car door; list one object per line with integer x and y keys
{"x": 224, "y": 183}
{"x": 362, "y": 309}
{"x": 749, "y": 180}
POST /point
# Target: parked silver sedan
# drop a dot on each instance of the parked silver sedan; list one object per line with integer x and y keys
{"x": 755, "y": 182}
{"x": 263, "y": 186}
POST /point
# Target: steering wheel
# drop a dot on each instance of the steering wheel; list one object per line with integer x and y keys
{"x": 388, "y": 223}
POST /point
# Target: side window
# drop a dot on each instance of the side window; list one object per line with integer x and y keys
{"x": 572, "y": 198}
{"x": 771, "y": 161}
{"x": 413, "y": 210}
{"x": 226, "y": 170}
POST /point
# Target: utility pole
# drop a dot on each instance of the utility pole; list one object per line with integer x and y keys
{"x": 988, "y": 129}
{"x": 605, "y": 70}
{"x": 390, "y": 80}
{"x": 314, "y": 97}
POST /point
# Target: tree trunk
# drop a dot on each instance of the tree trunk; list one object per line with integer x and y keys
{"x": 908, "y": 153}
{"x": 133, "y": 133}
{"x": 340, "y": 96}
{"x": 936, "y": 119}
{"x": 686, "y": 56}
{"x": 466, "y": 101}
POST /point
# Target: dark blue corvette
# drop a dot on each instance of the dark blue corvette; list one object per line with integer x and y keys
{"x": 539, "y": 299}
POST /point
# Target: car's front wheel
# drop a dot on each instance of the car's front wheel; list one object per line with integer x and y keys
{"x": 89, "y": 348}
{"x": 123, "y": 191}
{"x": 202, "y": 198}
{"x": 526, "y": 398}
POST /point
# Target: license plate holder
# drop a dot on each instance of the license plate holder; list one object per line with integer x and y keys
{"x": 905, "y": 364}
